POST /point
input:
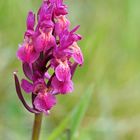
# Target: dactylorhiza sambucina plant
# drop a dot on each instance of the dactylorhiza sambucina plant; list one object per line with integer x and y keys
{"x": 49, "y": 55}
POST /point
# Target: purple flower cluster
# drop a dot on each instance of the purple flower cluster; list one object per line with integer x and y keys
{"x": 49, "y": 55}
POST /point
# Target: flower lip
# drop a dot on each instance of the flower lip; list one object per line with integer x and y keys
{"x": 62, "y": 71}
{"x": 62, "y": 87}
{"x": 44, "y": 102}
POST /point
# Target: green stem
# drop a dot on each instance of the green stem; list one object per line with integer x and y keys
{"x": 37, "y": 126}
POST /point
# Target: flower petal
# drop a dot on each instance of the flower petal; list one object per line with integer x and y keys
{"x": 33, "y": 56}
{"x": 39, "y": 43}
{"x": 62, "y": 87}
{"x": 27, "y": 71}
{"x": 27, "y": 86}
{"x": 60, "y": 9}
{"x": 21, "y": 54}
{"x": 27, "y": 53}
{"x": 44, "y": 41}
{"x": 30, "y": 20}
{"x": 44, "y": 102}
{"x": 63, "y": 72}
{"x": 62, "y": 24}
{"x": 77, "y": 54}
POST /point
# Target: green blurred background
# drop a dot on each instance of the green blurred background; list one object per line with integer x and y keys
{"x": 111, "y": 45}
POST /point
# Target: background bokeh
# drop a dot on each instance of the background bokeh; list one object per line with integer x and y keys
{"x": 111, "y": 73}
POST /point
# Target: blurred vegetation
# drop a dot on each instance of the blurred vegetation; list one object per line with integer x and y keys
{"x": 111, "y": 47}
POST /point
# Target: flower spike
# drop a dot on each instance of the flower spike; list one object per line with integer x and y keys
{"x": 49, "y": 54}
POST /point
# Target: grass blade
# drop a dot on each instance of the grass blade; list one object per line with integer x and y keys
{"x": 75, "y": 118}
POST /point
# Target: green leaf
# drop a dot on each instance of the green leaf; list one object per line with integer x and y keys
{"x": 79, "y": 113}
{"x": 75, "y": 118}
{"x": 59, "y": 130}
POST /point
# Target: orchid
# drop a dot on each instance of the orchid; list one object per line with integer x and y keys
{"x": 48, "y": 44}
